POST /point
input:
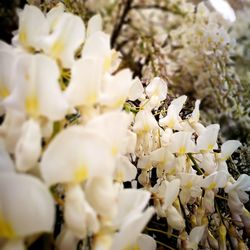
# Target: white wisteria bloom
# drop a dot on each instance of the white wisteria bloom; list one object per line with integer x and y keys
{"x": 66, "y": 240}
{"x": 29, "y": 35}
{"x": 113, "y": 126}
{"x": 115, "y": 89}
{"x": 130, "y": 202}
{"x": 158, "y": 88}
{"x": 67, "y": 36}
{"x": 7, "y": 71}
{"x": 130, "y": 230}
{"x": 195, "y": 237}
{"x": 175, "y": 219}
{"x": 38, "y": 92}
{"x": 144, "y": 122}
{"x": 224, "y": 8}
{"x": 156, "y": 91}
{"x": 190, "y": 186}
{"x": 54, "y": 15}
{"x": 241, "y": 186}
{"x": 99, "y": 189}
{"x": 28, "y": 148}
{"x": 35, "y": 211}
{"x": 94, "y": 25}
{"x": 125, "y": 170}
{"x": 168, "y": 192}
{"x": 75, "y": 155}
{"x": 11, "y": 128}
{"x": 227, "y": 149}
{"x": 181, "y": 143}
{"x": 79, "y": 216}
{"x": 98, "y": 45}
{"x": 215, "y": 180}
{"x": 136, "y": 90}
{"x": 172, "y": 119}
{"x": 162, "y": 158}
{"x": 206, "y": 142}
{"x": 85, "y": 84}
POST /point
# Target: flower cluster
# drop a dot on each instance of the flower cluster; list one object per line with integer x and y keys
{"x": 80, "y": 133}
{"x": 62, "y": 100}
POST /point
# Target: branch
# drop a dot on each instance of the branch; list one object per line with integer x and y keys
{"x": 118, "y": 27}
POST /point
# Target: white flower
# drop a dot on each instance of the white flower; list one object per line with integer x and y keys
{"x": 125, "y": 170}
{"x": 146, "y": 242}
{"x": 28, "y": 148}
{"x": 10, "y": 129}
{"x": 79, "y": 216}
{"x": 224, "y": 8}
{"x": 208, "y": 163}
{"x": 241, "y": 186}
{"x": 85, "y": 84}
{"x": 195, "y": 237}
{"x": 66, "y": 240}
{"x": 115, "y": 89}
{"x": 168, "y": 192}
{"x": 94, "y": 25}
{"x": 38, "y": 92}
{"x": 190, "y": 186}
{"x": 172, "y": 120}
{"x": 54, "y": 15}
{"x": 157, "y": 87}
{"x": 7, "y": 71}
{"x": 66, "y": 37}
{"x": 29, "y": 35}
{"x": 136, "y": 90}
{"x": 131, "y": 229}
{"x": 157, "y": 90}
{"x": 174, "y": 218}
{"x": 75, "y": 155}
{"x": 162, "y": 158}
{"x": 99, "y": 189}
{"x": 131, "y": 202}
{"x": 97, "y": 45}
{"x": 35, "y": 211}
{"x": 144, "y": 122}
{"x": 228, "y": 148}
{"x": 215, "y": 180}
{"x": 113, "y": 126}
{"x": 206, "y": 142}
{"x": 181, "y": 143}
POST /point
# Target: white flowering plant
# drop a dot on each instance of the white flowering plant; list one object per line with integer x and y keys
{"x": 91, "y": 155}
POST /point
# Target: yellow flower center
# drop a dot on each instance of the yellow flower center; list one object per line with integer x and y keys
{"x": 212, "y": 185}
{"x": 4, "y": 92}
{"x": 32, "y": 105}
{"x": 57, "y": 48}
{"x": 6, "y": 230}
{"x": 23, "y": 37}
{"x": 81, "y": 174}
{"x": 182, "y": 150}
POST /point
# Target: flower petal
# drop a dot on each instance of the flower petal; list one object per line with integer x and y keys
{"x": 35, "y": 211}
{"x": 72, "y": 156}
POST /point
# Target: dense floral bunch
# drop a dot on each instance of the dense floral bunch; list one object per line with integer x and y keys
{"x": 77, "y": 128}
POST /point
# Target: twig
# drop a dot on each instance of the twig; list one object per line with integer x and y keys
{"x": 118, "y": 27}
